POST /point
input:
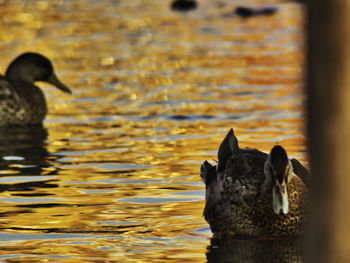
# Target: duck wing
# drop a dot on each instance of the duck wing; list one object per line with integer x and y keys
{"x": 7, "y": 92}
{"x": 9, "y": 97}
{"x": 301, "y": 172}
{"x": 246, "y": 172}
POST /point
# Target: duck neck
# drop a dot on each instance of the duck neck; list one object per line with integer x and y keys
{"x": 268, "y": 181}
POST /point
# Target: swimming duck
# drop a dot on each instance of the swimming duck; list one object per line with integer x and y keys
{"x": 253, "y": 194}
{"x": 21, "y": 102}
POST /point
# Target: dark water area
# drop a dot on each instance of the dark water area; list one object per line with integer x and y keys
{"x": 247, "y": 250}
{"x": 113, "y": 174}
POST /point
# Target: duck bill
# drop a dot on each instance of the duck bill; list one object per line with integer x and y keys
{"x": 58, "y": 84}
{"x": 280, "y": 199}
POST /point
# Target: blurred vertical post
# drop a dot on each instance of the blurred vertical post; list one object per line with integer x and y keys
{"x": 328, "y": 91}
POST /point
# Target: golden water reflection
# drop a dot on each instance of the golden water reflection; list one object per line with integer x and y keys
{"x": 114, "y": 173}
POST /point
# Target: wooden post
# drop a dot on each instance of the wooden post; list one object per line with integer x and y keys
{"x": 328, "y": 90}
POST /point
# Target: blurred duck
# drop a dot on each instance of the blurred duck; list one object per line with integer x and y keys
{"x": 21, "y": 102}
{"x": 184, "y": 5}
{"x": 246, "y": 12}
{"x": 253, "y": 194}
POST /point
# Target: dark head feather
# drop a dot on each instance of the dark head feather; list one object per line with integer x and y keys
{"x": 279, "y": 162}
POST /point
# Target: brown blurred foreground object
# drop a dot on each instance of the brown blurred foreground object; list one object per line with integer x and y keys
{"x": 329, "y": 128}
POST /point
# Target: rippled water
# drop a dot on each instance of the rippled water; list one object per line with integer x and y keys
{"x": 114, "y": 175}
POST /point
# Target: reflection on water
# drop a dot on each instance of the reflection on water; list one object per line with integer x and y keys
{"x": 24, "y": 156}
{"x": 23, "y": 150}
{"x": 280, "y": 250}
{"x": 114, "y": 173}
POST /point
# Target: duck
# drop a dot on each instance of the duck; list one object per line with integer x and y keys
{"x": 249, "y": 193}
{"x": 183, "y": 5}
{"x": 22, "y": 103}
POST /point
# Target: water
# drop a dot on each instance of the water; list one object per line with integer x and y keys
{"x": 114, "y": 174}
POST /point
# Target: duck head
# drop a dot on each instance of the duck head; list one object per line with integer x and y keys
{"x": 278, "y": 170}
{"x": 31, "y": 67}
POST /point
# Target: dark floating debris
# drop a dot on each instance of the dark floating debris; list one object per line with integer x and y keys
{"x": 248, "y": 11}
{"x": 181, "y": 117}
{"x": 183, "y": 5}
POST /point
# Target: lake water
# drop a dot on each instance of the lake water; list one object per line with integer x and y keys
{"x": 114, "y": 174}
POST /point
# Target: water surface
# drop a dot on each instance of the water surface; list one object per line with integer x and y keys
{"x": 114, "y": 174}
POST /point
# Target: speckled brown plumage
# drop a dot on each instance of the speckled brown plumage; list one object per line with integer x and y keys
{"x": 239, "y": 198}
{"x": 23, "y": 105}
